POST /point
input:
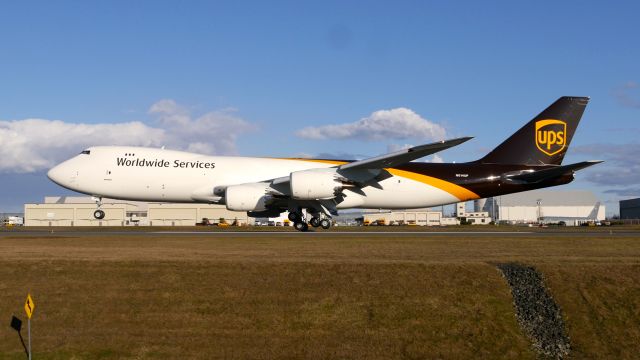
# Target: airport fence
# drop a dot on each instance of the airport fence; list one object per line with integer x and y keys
{"x": 629, "y": 221}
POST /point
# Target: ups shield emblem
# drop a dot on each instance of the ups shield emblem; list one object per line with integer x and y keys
{"x": 551, "y": 136}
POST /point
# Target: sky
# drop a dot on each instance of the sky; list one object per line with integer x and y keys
{"x": 345, "y": 79}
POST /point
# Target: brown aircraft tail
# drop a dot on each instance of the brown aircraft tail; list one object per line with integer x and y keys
{"x": 543, "y": 140}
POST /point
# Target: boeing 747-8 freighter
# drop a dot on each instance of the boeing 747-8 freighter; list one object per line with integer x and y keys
{"x": 529, "y": 159}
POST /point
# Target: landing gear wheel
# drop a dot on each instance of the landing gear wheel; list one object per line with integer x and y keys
{"x": 325, "y": 223}
{"x": 301, "y": 226}
{"x": 98, "y": 214}
{"x": 295, "y": 217}
{"x": 315, "y": 222}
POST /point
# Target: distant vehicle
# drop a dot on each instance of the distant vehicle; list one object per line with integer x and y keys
{"x": 13, "y": 221}
{"x": 271, "y": 223}
{"x": 266, "y": 187}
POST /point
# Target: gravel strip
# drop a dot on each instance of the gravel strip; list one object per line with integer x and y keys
{"x": 536, "y": 311}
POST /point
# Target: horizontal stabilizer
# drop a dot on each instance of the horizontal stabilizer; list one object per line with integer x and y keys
{"x": 403, "y": 156}
{"x": 540, "y": 175}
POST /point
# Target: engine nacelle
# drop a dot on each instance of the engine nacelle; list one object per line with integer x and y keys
{"x": 314, "y": 185}
{"x": 247, "y": 197}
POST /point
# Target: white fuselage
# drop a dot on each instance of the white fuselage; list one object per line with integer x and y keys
{"x": 159, "y": 175}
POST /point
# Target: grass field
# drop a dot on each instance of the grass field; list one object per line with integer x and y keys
{"x": 301, "y": 297}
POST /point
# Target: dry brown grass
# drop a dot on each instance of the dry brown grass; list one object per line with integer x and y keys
{"x": 602, "y": 307}
{"x": 303, "y": 297}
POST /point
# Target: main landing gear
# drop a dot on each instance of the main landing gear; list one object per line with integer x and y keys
{"x": 98, "y": 214}
{"x": 301, "y": 226}
{"x": 316, "y": 221}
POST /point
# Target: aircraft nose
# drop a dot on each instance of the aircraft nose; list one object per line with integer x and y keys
{"x": 55, "y": 174}
{"x": 63, "y": 174}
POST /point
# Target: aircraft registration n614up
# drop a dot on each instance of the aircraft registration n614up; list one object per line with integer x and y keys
{"x": 265, "y": 187}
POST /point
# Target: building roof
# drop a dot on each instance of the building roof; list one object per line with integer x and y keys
{"x": 630, "y": 203}
{"x": 549, "y": 198}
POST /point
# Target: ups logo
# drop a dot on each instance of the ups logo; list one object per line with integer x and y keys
{"x": 551, "y": 136}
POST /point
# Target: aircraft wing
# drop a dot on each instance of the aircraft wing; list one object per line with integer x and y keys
{"x": 403, "y": 156}
{"x": 357, "y": 172}
{"x": 540, "y": 175}
{"x": 393, "y": 159}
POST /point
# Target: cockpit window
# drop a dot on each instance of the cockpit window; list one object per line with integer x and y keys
{"x": 86, "y": 152}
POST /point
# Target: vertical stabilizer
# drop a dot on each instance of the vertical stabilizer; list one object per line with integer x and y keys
{"x": 593, "y": 215}
{"x": 543, "y": 140}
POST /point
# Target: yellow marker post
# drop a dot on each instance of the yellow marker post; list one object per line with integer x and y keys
{"x": 29, "y": 306}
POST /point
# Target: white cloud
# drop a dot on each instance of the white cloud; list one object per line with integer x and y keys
{"x": 37, "y": 144}
{"x": 170, "y": 113}
{"x": 397, "y": 147}
{"x": 215, "y": 132}
{"x": 437, "y": 159}
{"x": 399, "y": 123}
{"x": 30, "y": 145}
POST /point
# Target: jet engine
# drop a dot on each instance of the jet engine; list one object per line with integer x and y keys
{"x": 314, "y": 185}
{"x": 247, "y": 197}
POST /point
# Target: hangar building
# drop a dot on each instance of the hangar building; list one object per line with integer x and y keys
{"x": 571, "y": 206}
{"x": 630, "y": 209}
{"x": 78, "y": 211}
{"x": 422, "y": 217}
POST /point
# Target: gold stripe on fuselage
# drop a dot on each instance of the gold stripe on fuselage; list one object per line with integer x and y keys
{"x": 458, "y": 191}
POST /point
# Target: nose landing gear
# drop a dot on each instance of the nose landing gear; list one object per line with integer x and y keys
{"x": 98, "y": 214}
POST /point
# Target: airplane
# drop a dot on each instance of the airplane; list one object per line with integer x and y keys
{"x": 313, "y": 190}
{"x": 592, "y": 216}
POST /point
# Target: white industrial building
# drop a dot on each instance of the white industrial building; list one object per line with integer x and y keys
{"x": 78, "y": 211}
{"x": 570, "y": 206}
{"x": 476, "y": 217}
{"x": 573, "y": 207}
{"x": 422, "y": 217}
{"x": 428, "y": 217}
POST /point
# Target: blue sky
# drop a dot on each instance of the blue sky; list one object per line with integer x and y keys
{"x": 251, "y": 75}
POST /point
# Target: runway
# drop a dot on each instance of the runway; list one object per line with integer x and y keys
{"x": 319, "y": 233}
